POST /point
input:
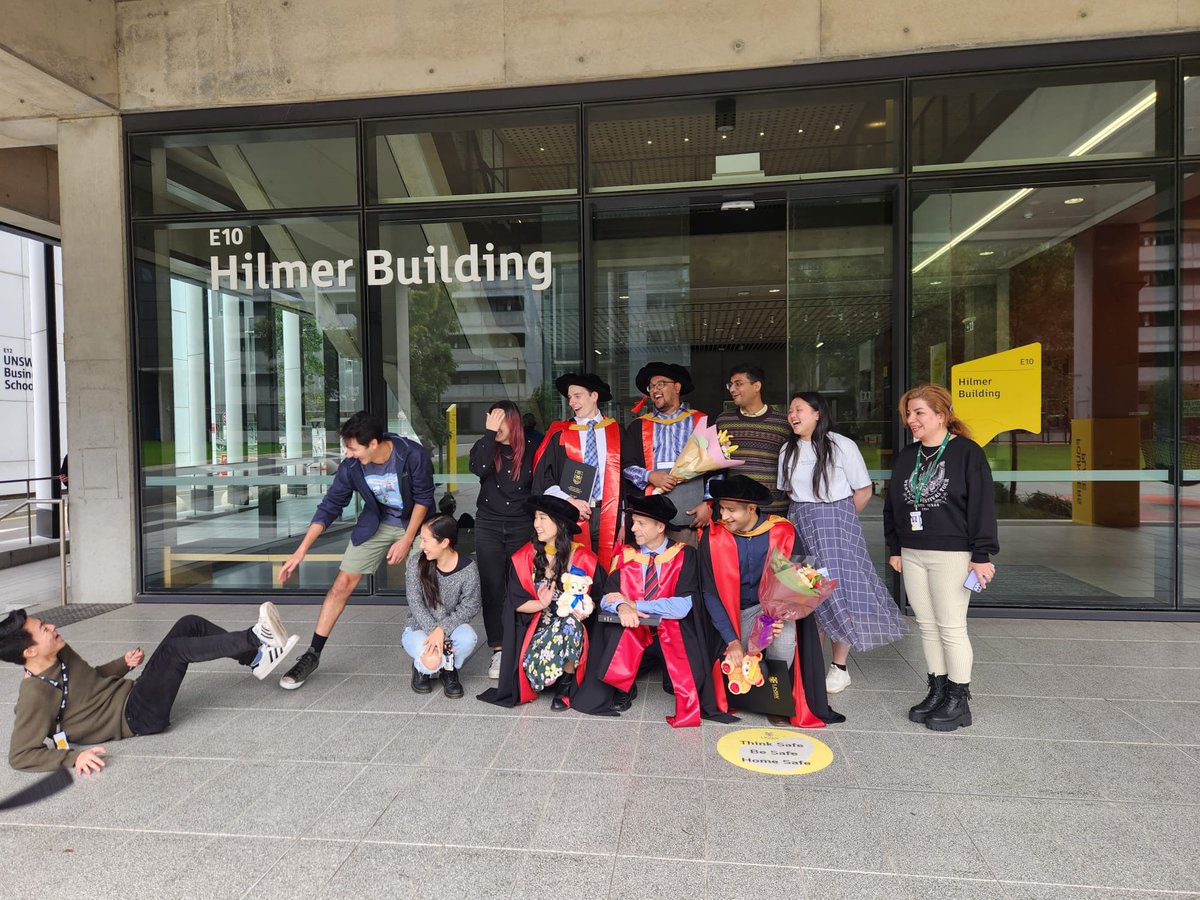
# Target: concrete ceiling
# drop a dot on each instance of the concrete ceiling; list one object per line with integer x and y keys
{"x": 58, "y": 59}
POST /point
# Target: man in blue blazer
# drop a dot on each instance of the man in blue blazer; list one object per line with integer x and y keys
{"x": 394, "y": 477}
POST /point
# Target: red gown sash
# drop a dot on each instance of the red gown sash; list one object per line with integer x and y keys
{"x": 623, "y": 668}
{"x": 523, "y": 563}
{"x": 727, "y": 574}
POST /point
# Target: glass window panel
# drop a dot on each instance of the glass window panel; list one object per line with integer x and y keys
{"x": 525, "y": 154}
{"x": 242, "y": 387}
{"x": 454, "y": 344}
{"x": 1086, "y": 505}
{"x": 694, "y": 285}
{"x": 841, "y": 276}
{"x": 1191, "y": 106}
{"x": 744, "y": 139}
{"x": 1118, "y": 112}
{"x": 228, "y": 171}
{"x": 1189, "y": 446}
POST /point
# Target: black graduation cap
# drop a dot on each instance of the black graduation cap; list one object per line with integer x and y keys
{"x": 652, "y": 506}
{"x": 561, "y": 511}
{"x": 668, "y": 370}
{"x": 587, "y": 381}
{"x": 739, "y": 487}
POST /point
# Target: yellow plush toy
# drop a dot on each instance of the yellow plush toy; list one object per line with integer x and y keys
{"x": 574, "y": 597}
{"x": 746, "y": 676}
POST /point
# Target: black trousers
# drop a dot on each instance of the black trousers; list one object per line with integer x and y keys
{"x": 190, "y": 640}
{"x": 496, "y": 540}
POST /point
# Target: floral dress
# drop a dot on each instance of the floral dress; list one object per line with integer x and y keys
{"x": 556, "y": 641}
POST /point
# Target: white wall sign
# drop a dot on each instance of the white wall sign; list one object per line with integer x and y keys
{"x": 245, "y": 270}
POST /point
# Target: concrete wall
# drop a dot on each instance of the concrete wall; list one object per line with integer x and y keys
{"x": 29, "y": 181}
{"x": 98, "y": 359}
{"x": 211, "y": 53}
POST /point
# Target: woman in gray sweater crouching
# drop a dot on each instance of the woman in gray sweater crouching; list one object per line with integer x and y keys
{"x": 443, "y": 597}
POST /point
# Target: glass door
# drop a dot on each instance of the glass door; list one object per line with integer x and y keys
{"x": 841, "y": 299}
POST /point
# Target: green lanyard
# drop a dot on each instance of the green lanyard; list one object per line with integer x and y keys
{"x": 917, "y": 488}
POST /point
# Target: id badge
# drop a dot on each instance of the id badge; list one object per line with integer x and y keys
{"x": 60, "y": 740}
{"x": 914, "y": 519}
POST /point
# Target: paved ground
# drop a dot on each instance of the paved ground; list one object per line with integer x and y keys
{"x": 1080, "y": 778}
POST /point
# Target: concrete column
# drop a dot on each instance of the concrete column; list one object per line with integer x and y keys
{"x": 293, "y": 385}
{"x": 39, "y": 353}
{"x": 97, "y": 353}
{"x": 235, "y": 435}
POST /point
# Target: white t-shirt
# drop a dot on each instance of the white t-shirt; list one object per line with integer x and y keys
{"x": 847, "y": 472}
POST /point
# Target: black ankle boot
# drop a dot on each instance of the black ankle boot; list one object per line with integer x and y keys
{"x": 421, "y": 683}
{"x": 937, "y": 693}
{"x": 451, "y": 686}
{"x": 955, "y": 711}
{"x": 559, "y": 703}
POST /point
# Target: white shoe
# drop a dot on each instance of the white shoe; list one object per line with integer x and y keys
{"x": 494, "y": 668}
{"x": 269, "y": 628}
{"x": 269, "y": 656}
{"x": 837, "y": 680}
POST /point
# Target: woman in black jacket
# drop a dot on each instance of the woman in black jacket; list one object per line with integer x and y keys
{"x": 503, "y": 461}
{"x": 940, "y": 525}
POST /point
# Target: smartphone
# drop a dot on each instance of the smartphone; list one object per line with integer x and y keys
{"x": 973, "y": 583}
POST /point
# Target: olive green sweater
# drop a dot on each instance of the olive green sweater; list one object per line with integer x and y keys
{"x": 95, "y": 711}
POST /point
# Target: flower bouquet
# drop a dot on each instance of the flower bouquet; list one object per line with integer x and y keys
{"x": 707, "y": 450}
{"x": 788, "y": 591}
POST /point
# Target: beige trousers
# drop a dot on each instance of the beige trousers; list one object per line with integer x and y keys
{"x": 933, "y": 580}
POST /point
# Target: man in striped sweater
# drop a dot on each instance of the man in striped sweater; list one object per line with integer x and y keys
{"x": 758, "y": 430}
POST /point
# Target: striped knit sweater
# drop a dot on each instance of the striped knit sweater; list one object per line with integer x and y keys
{"x": 760, "y": 440}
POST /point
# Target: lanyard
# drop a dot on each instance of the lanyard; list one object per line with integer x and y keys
{"x": 919, "y": 487}
{"x": 62, "y": 686}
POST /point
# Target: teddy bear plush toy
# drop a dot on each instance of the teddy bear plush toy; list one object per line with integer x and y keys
{"x": 574, "y": 597}
{"x": 747, "y": 675}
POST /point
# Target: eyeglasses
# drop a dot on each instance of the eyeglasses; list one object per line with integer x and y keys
{"x": 730, "y": 385}
{"x": 659, "y": 385}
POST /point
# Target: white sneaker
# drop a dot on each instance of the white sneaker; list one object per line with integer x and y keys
{"x": 494, "y": 668}
{"x": 837, "y": 680}
{"x": 270, "y": 655}
{"x": 269, "y": 628}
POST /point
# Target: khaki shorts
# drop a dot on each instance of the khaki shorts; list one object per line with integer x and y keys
{"x": 366, "y": 557}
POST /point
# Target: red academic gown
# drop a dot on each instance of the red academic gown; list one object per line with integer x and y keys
{"x": 637, "y": 449}
{"x": 564, "y": 440}
{"x": 513, "y": 687}
{"x": 719, "y": 556}
{"x": 617, "y": 651}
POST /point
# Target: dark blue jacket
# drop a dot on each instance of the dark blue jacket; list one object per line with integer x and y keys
{"x": 416, "y": 488}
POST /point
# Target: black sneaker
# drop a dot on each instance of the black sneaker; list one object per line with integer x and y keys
{"x": 300, "y": 672}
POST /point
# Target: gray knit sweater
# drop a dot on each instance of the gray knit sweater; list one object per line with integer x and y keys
{"x": 460, "y": 598}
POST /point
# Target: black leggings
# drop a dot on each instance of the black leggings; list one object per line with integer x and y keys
{"x": 190, "y": 640}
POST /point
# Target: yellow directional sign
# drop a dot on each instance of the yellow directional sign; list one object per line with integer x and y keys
{"x": 1001, "y": 392}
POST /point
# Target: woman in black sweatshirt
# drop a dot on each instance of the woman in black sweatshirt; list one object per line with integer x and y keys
{"x": 940, "y": 525}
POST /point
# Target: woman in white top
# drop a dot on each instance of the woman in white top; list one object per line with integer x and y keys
{"x": 824, "y": 475}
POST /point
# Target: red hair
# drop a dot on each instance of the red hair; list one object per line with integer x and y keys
{"x": 516, "y": 436}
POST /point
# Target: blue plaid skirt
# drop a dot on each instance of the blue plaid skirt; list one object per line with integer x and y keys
{"x": 860, "y": 612}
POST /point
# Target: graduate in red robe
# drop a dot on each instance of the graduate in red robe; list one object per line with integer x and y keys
{"x": 534, "y": 585}
{"x": 733, "y": 553}
{"x": 656, "y": 579}
{"x": 652, "y": 442}
{"x": 587, "y": 438}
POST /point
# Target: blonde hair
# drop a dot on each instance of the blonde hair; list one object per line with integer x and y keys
{"x": 938, "y": 400}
